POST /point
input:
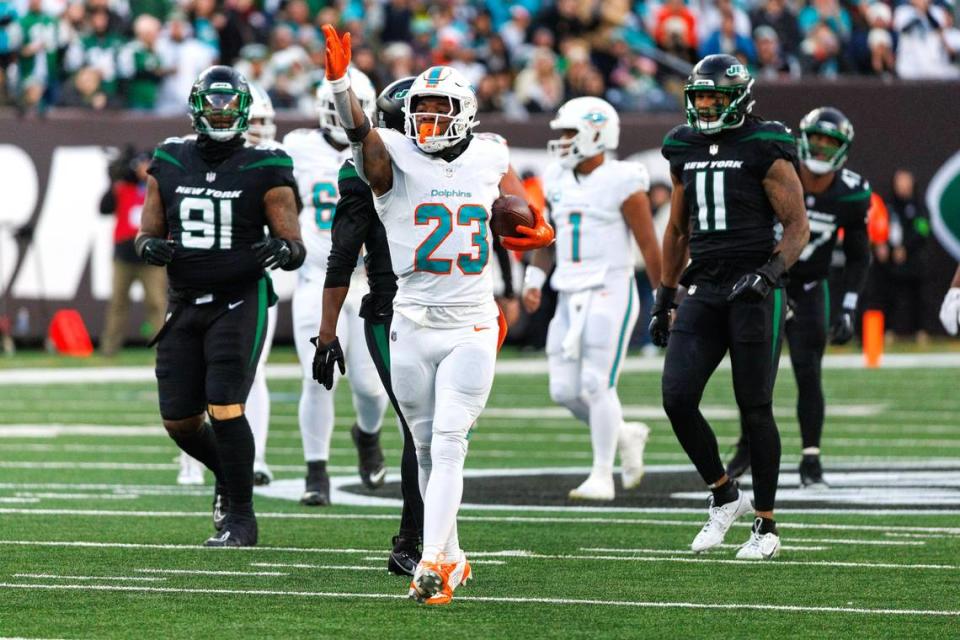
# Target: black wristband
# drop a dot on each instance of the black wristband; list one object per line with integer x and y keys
{"x": 140, "y": 243}
{"x": 298, "y": 253}
{"x": 773, "y": 270}
{"x": 359, "y": 133}
{"x": 664, "y": 299}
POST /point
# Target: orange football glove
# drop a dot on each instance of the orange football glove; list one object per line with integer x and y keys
{"x": 536, "y": 237}
{"x": 338, "y": 53}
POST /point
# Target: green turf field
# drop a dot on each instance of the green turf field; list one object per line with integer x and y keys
{"x": 97, "y": 541}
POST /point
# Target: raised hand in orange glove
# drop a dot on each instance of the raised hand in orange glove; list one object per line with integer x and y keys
{"x": 338, "y": 53}
{"x": 536, "y": 237}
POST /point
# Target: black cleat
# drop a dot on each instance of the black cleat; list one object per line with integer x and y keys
{"x": 221, "y": 505}
{"x": 405, "y": 556}
{"x": 317, "y": 490}
{"x": 370, "y": 455}
{"x": 237, "y": 532}
{"x": 261, "y": 478}
{"x": 740, "y": 462}
{"x": 811, "y": 473}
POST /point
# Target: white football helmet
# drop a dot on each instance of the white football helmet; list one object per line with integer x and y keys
{"x": 261, "y": 128}
{"x": 461, "y": 118}
{"x": 327, "y": 110}
{"x": 598, "y": 130}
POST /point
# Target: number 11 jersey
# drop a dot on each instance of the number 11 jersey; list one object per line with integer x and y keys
{"x": 731, "y": 218}
{"x": 215, "y": 212}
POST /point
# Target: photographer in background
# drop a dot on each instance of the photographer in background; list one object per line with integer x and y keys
{"x": 124, "y": 198}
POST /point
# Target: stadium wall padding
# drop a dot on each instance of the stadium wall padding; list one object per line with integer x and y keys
{"x": 55, "y": 248}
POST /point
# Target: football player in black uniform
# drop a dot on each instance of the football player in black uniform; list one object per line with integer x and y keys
{"x": 355, "y": 225}
{"x": 734, "y": 176}
{"x": 836, "y": 198}
{"x": 207, "y": 203}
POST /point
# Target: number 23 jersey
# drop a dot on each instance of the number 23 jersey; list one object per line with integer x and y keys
{"x": 437, "y": 218}
{"x": 316, "y": 165}
{"x": 731, "y": 217}
{"x": 215, "y": 213}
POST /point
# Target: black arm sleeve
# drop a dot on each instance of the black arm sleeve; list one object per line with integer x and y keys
{"x": 351, "y": 223}
{"x": 506, "y": 270}
{"x": 856, "y": 248}
{"x": 108, "y": 203}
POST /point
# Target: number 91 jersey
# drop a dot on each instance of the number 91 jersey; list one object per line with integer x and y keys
{"x": 437, "y": 219}
{"x": 316, "y": 165}
{"x": 214, "y": 213}
{"x": 592, "y": 235}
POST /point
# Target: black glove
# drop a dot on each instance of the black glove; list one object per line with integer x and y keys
{"x": 323, "y": 360}
{"x": 660, "y": 320}
{"x": 272, "y": 253}
{"x": 155, "y": 251}
{"x": 756, "y": 286}
{"x": 841, "y": 332}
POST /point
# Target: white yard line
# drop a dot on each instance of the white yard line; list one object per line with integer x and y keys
{"x": 334, "y": 567}
{"x": 685, "y": 552}
{"x": 512, "y": 554}
{"x": 50, "y": 576}
{"x": 202, "y": 572}
{"x": 466, "y": 598}
{"x": 515, "y": 519}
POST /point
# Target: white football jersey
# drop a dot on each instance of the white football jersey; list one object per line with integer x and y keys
{"x": 437, "y": 218}
{"x": 316, "y": 165}
{"x": 592, "y": 235}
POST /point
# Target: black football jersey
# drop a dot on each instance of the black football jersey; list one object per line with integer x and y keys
{"x": 731, "y": 219}
{"x": 843, "y": 205}
{"x": 215, "y": 213}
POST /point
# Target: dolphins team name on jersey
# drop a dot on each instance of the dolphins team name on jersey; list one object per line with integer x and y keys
{"x": 592, "y": 235}
{"x": 316, "y": 165}
{"x": 437, "y": 218}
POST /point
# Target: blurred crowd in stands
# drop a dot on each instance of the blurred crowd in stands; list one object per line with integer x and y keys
{"x": 523, "y": 57}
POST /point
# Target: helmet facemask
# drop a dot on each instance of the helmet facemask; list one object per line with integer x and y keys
{"x": 221, "y": 113}
{"x": 728, "y": 117}
{"x": 261, "y": 130}
{"x": 835, "y": 156}
{"x": 327, "y": 116}
{"x": 565, "y": 150}
{"x": 434, "y": 132}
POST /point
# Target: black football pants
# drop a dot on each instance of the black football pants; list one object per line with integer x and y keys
{"x": 705, "y": 329}
{"x": 411, "y": 518}
{"x": 807, "y": 337}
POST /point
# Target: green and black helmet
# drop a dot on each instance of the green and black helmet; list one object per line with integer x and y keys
{"x": 823, "y": 158}
{"x": 390, "y": 114}
{"x": 724, "y": 74}
{"x": 219, "y": 103}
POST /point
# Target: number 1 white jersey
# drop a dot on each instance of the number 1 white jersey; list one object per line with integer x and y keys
{"x": 437, "y": 218}
{"x": 592, "y": 235}
{"x": 316, "y": 165}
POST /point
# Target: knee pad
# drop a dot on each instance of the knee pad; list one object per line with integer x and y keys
{"x": 563, "y": 391}
{"x": 224, "y": 412}
{"x": 185, "y": 426}
{"x": 591, "y": 384}
{"x": 758, "y": 418}
{"x": 678, "y": 404}
{"x": 449, "y": 449}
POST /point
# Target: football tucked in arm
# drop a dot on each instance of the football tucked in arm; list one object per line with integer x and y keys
{"x": 509, "y": 212}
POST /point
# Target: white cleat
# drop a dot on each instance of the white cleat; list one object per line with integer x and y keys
{"x": 760, "y": 546}
{"x": 595, "y": 487}
{"x": 632, "y": 442}
{"x": 720, "y": 521}
{"x": 191, "y": 471}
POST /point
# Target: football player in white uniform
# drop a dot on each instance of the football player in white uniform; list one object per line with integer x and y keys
{"x": 433, "y": 189}
{"x": 598, "y": 206}
{"x": 317, "y": 155}
{"x": 261, "y": 131}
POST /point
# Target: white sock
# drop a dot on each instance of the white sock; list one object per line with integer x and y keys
{"x": 451, "y": 550}
{"x": 257, "y": 411}
{"x": 606, "y": 416}
{"x": 444, "y": 492}
{"x": 316, "y": 420}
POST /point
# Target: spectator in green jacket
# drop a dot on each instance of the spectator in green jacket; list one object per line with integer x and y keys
{"x": 140, "y": 65}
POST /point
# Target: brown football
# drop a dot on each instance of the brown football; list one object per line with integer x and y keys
{"x": 507, "y": 213}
